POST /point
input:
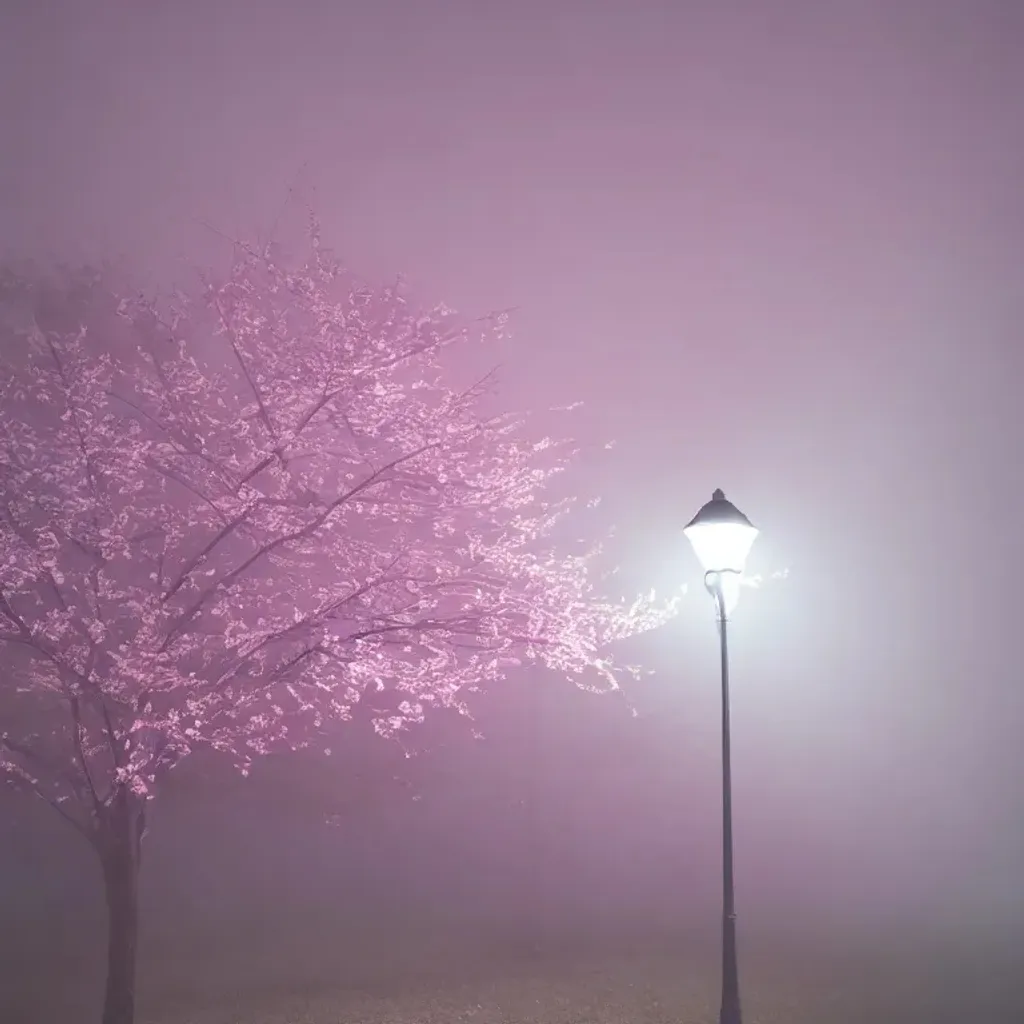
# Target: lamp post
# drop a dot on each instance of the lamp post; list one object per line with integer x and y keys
{"x": 722, "y": 536}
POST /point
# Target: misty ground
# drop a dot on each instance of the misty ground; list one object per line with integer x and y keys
{"x": 321, "y": 974}
{"x": 595, "y": 901}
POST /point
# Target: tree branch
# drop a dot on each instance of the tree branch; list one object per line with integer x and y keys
{"x": 176, "y": 442}
{"x": 233, "y": 340}
{"x": 76, "y": 717}
{"x": 90, "y": 472}
{"x": 374, "y": 478}
{"x": 317, "y": 617}
{"x": 26, "y": 637}
{"x": 226, "y": 530}
{"x": 182, "y": 482}
{"x": 20, "y": 776}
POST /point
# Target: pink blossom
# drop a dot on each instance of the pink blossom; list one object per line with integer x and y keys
{"x": 227, "y": 521}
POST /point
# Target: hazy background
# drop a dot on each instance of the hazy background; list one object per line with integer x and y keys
{"x": 774, "y": 247}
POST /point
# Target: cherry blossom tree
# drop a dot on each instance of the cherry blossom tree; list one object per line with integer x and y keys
{"x": 227, "y": 520}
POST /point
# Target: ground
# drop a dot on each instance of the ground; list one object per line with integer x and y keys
{"x": 647, "y": 986}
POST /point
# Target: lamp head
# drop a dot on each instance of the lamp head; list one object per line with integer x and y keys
{"x": 722, "y": 536}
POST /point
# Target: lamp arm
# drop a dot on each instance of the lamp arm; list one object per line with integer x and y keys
{"x": 713, "y": 585}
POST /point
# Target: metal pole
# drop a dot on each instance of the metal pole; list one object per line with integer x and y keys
{"x": 730, "y": 1011}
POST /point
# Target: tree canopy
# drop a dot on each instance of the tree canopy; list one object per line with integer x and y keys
{"x": 229, "y": 519}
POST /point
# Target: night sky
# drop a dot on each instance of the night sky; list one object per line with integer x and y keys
{"x": 774, "y": 248}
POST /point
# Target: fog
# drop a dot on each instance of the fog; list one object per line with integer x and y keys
{"x": 773, "y": 248}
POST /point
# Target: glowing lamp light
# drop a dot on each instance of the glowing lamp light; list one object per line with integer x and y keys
{"x": 721, "y": 536}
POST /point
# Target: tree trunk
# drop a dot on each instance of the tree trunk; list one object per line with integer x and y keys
{"x": 118, "y": 843}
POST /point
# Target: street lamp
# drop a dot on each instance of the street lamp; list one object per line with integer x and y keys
{"x": 721, "y": 536}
